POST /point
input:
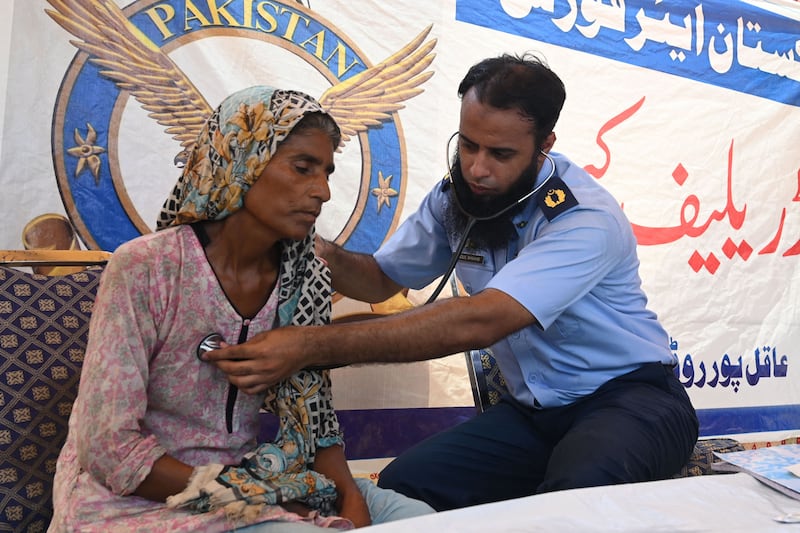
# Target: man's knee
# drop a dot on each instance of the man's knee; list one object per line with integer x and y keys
{"x": 411, "y": 479}
{"x": 391, "y": 477}
{"x": 407, "y": 477}
{"x": 612, "y": 467}
{"x": 576, "y": 479}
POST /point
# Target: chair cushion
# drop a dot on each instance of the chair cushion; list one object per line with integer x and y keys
{"x": 489, "y": 385}
{"x": 43, "y": 327}
{"x": 703, "y": 457}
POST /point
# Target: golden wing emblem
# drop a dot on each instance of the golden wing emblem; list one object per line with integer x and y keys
{"x": 368, "y": 98}
{"x": 135, "y": 64}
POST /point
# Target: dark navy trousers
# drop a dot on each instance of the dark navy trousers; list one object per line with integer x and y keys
{"x": 638, "y": 427}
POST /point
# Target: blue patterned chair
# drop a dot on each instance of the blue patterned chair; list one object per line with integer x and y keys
{"x": 44, "y": 321}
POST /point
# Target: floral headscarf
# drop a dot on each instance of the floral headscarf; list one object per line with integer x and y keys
{"x": 234, "y": 146}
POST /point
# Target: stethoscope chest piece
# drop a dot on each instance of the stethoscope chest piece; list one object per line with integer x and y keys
{"x": 209, "y": 343}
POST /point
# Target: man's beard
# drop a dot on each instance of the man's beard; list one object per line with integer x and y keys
{"x": 496, "y": 232}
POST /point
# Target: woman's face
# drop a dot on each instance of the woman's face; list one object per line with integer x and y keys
{"x": 288, "y": 195}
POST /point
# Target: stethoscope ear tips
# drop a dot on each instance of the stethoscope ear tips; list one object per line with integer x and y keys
{"x": 210, "y": 342}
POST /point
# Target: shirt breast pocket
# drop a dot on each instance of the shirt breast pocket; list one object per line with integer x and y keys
{"x": 474, "y": 276}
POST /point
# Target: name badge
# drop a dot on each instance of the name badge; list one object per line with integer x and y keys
{"x": 472, "y": 258}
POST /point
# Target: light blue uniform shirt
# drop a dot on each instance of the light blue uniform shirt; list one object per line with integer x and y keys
{"x": 577, "y": 274}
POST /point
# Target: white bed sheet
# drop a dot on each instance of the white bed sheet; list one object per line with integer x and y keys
{"x": 723, "y": 502}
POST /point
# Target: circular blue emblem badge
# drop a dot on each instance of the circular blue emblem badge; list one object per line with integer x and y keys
{"x": 87, "y": 117}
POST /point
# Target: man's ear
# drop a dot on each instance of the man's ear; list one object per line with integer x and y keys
{"x": 549, "y": 141}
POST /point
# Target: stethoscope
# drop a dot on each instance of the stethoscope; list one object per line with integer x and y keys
{"x": 472, "y": 218}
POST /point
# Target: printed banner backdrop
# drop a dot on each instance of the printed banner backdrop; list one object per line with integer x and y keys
{"x": 687, "y": 111}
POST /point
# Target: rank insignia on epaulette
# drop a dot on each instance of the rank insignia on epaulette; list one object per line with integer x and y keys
{"x": 555, "y": 198}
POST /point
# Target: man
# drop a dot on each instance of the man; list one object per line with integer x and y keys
{"x": 554, "y": 289}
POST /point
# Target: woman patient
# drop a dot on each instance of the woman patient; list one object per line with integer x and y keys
{"x": 158, "y": 439}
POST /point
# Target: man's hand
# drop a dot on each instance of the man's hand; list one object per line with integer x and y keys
{"x": 323, "y": 248}
{"x": 264, "y": 360}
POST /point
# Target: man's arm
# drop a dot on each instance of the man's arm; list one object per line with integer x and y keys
{"x": 434, "y": 330}
{"x": 356, "y": 275}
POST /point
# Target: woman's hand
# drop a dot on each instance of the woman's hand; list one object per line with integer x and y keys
{"x": 352, "y": 505}
{"x": 167, "y": 477}
{"x": 297, "y": 508}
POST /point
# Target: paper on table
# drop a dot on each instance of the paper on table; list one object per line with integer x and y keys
{"x": 770, "y": 465}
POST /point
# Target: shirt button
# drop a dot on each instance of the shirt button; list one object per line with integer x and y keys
{"x": 532, "y": 377}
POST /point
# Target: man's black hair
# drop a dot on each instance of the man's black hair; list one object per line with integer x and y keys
{"x": 522, "y": 82}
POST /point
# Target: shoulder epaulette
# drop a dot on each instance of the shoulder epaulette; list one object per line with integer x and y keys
{"x": 555, "y": 198}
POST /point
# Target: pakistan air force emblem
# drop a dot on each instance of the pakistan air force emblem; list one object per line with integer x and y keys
{"x": 128, "y": 58}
